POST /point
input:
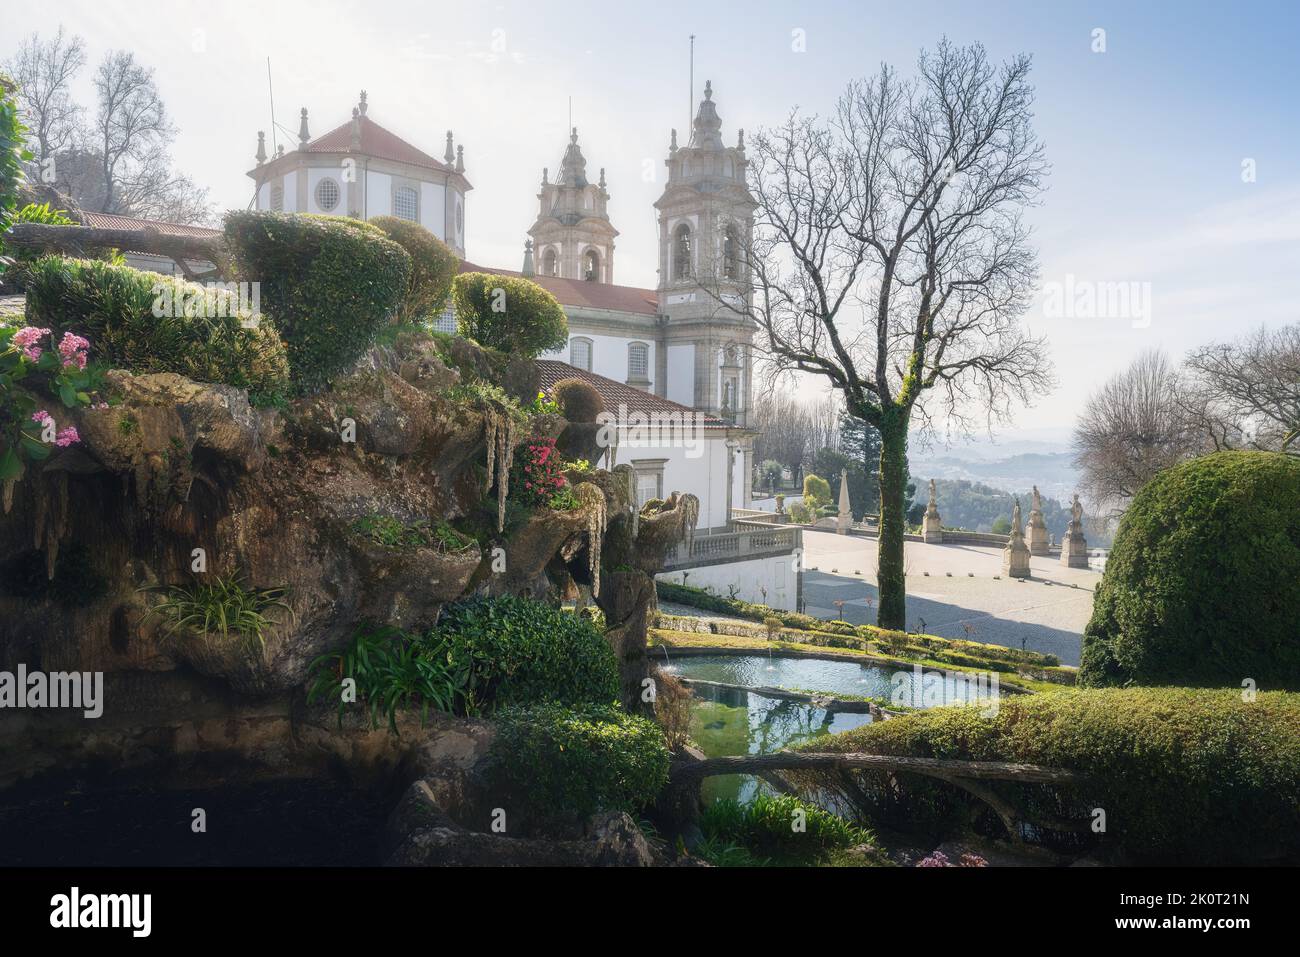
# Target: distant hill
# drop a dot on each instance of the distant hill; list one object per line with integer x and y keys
{"x": 1053, "y": 472}
{"x": 972, "y": 505}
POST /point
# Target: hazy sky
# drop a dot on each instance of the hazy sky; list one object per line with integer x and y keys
{"x": 1147, "y": 139}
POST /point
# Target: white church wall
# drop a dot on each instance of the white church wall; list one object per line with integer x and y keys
{"x": 433, "y": 209}
{"x": 290, "y": 192}
{"x": 681, "y": 373}
{"x": 695, "y": 464}
{"x": 777, "y": 574}
{"x": 379, "y": 194}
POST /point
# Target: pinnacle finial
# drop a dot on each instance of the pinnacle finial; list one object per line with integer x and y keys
{"x": 673, "y": 145}
{"x": 460, "y": 159}
{"x": 261, "y": 147}
{"x": 708, "y": 89}
{"x": 546, "y": 172}
{"x": 362, "y": 105}
{"x": 573, "y": 137}
{"x": 303, "y": 134}
{"x": 450, "y": 156}
{"x": 602, "y": 177}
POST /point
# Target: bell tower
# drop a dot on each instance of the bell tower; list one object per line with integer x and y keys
{"x": 573, "y": 237}
{"x": 706, "y": 225}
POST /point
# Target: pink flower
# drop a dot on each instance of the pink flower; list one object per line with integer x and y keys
{"x": 40, "y": 416}
{"x": 28, "y": 339}
{"x": 73, "y": 350}
{"x": 67, "y": 437}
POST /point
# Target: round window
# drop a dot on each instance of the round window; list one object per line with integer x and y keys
{"x": 327, "y": 194}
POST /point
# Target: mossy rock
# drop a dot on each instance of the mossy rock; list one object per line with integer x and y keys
{"x": 1203, "y": 585}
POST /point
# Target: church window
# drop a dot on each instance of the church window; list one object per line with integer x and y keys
{"x": 550, "y": 264}
{"x": 682, "y": 252}
{"x": 730, "y": 254}
{"x": 580, "y": 353}
{"x": 446, "y": 320}
{"x": 406, "y": 204}
{"x": 277, "y": 198}
{"x": 460, "y": 218}
{"x": 649, "y": 479}
{"x": 591, "y": 266}
{"x": 327, "y": 194}
{"x": 638, "y": 361}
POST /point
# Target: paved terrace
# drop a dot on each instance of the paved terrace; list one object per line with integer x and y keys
{"x": 1047, "y": 613}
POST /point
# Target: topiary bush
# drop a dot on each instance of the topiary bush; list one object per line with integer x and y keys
{"x": 13, "y": 153}
{"x": 560, "y": 765}
{"x": 508, "y": 313}
{"x": 330, "y": 283}
{"x": 521, "y": 651}
{"x": 1202, "y": 586}
{"x": 146, "y": 322}
{"x": 579, "y": 401}
{"x": 1184, "y": 775}
{"x": 433, "y": 267}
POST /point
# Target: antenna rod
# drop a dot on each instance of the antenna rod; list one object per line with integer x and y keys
{"x": 275, "y": 146}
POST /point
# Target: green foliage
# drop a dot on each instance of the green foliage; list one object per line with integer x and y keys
{"x": 1203, "y": 584}
{"x": 390, "y": 532}
{"x": 977, "y": 507}
{"x": 329, "y": 283}
{"x": 1002, "y": 525}
{"x": 433, "y": 267}
{"x": 222, "y": 607}
{"x": 524, "y": 652}
{"x": 578, "y": 400}
{"x": 864, "y": 491}
{"x": 765, "y": 830}
{"x": 1185, "y": 775}
{"x": 770, "y": 473}
{"x": 543, "y": 405}
{"x": 199, "y": 333}
{"x": 393, "y": 671}
{"x": 41, "y": 214}
{"x": 508, "y": 313}
{"x": 13, "y": 153}
{"x": 816, "y": 491}
{"x": 562, "y": 765}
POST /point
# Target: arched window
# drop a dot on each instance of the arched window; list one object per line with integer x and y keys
{"x": 580, "y": 353}
{"x": 682, "y": 252}
{"x": 638, "y": 362}
{"x": 277, "y": 198}
{"x": 406, "y": 204}
{"x": 550, "y": 265}
{"x": 591, "y": 266}
{"x": 730, "y": 254}
{"x": 327, "y": 194}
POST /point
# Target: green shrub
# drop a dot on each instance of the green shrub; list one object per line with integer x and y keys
{"x": 13, "y": 152}
{"x": 579, "y": 401}
{"x": 508, "y": 313}
{"x": 560, "y": 765}
{"x": 816, "y": 491}
{"x": 1203, "y": 584}
{"x": 523, "y": 652}
{"x": 1185, "y": 775}
{"x": 766, "y": 829}
{"x": 390, "y": 532}
{"x": 330, "y": 283}
{"x": 433, "y": 267}
{"x": 222, "y": 607}
{"x": 198, "y": 334}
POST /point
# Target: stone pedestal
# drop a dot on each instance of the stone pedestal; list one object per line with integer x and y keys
{"x": 932, "y": 525}
{"x": 1074, "y": 547}
{"x": 1036, "y": 531}
{"x": 1015, "y": 556}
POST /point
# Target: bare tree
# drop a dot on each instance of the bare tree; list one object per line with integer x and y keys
{"x": 890, "y": 257}
{"x": 1246, "y": 394}
{"x": 1134, "y": 426}
{"x": 784, "y": 430}
{"x": 44, "y": 70}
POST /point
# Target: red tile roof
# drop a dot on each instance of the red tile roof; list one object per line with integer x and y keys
{"x": 114, "y": 221}
{"x": 578, "y": 292}
{"x": 375, "y": 141}
{"x": 617, "y": 396}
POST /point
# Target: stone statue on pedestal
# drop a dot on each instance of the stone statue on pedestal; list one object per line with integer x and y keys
{"x": 1015, "y": 557}
{"x": 1036, "y": 530}
{"x": 932, "y": 527}
{"x": 1074, "y": 547}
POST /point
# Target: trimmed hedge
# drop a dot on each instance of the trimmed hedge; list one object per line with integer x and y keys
{"x": 561, "y": 765}
{"x": 330, "y": 283}
{"x": 521, "y": 651}
{"x": 508, "y": 313}
{"x": 1184, "y": 775}
{"x": 1203, "y": 584}
{"x": 433, "y": 267}
{"x": 114, "y": 306}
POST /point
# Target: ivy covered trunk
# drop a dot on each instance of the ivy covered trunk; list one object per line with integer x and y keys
{"x": 892, "y": 609}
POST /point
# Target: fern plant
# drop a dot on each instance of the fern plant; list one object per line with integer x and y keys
{"x": 222, "y": 607}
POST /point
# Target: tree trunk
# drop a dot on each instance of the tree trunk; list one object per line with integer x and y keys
{"x": 892, "y": 606}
